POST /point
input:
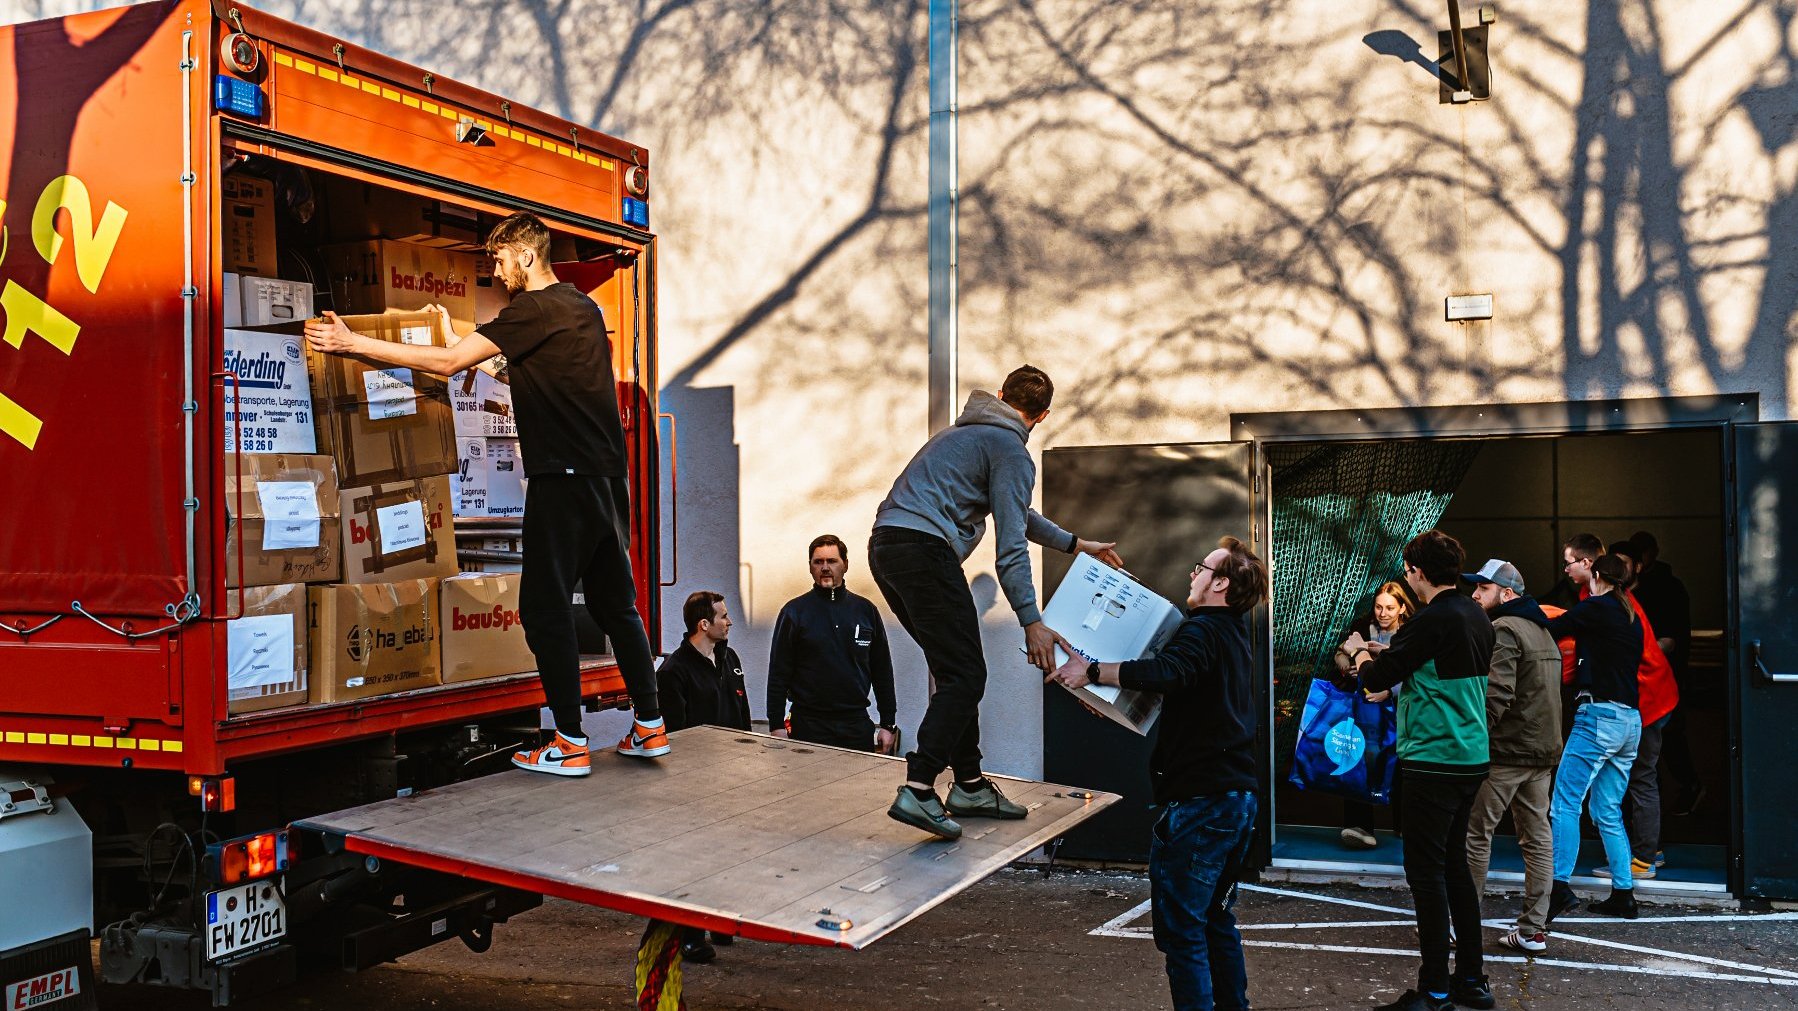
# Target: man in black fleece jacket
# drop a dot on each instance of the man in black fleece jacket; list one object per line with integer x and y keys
{"x": 830, "y": 650}
{"x": 1203, "y": 770}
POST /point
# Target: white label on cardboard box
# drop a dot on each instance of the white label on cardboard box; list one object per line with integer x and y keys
{"x": 489, "y": 478}
{"x": 418, "y": 334}
{"x": 355, "y": 682}
{"x": 402, "y": 526}
{"x": 290, "y": 514}
{"x": 483, "y": 408}
{"x": 390, "y": 393}
{"x": 261, "y": 651}
{"x": 268, "y": 409}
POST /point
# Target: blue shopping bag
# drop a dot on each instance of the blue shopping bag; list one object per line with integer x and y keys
{"x": 1347, "y": 745}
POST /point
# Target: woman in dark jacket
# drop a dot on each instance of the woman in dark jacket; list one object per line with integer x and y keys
{"x": 1607, "y": 727}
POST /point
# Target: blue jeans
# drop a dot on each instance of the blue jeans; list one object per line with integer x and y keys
{"x": 1597, "y": 759}
{"x": 1195, "y": 858}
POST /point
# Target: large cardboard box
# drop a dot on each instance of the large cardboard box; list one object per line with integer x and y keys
{"x": 372, "y": 639}
{"x": 289, "y": 524}
{"x": 382, "y": 275}
{"x": 490, "y": 480}
{"x": 267, "y": 648}
{"x": 483, "y": 406}
{"x": 480, "y": 633}
{"x": 398, "y": 530}
{"x": 384, "y": 424}
{"x": 268, "y": 409}
{"x": 248, "y": 204}
{"x": 1109, "y": 617}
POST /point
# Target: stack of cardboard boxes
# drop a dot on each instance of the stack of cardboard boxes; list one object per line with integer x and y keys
{"x": 341, "y": 553}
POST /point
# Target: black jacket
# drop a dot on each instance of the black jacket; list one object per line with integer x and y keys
{"x": 830, "y": 650}
{"x": 1609, "y": 642}
{"x": 695, "y": 691}
{"x": 1205, "y": 743}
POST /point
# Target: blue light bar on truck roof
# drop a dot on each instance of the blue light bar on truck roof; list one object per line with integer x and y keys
{"x": 636, "y": 212}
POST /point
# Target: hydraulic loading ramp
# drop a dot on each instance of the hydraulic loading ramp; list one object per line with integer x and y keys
{"x": 736, "y": 832}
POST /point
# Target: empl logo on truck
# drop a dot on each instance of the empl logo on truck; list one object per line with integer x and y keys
{"x": 51, "y": 986}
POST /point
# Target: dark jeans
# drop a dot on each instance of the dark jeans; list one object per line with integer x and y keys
{"x": 1436, "y": 811}
{"x": 850, "y": 730}
{"x": 578, "y": 528}
{"x": 1644, "y": 797}
{"x": 922, "y": 581}
{"x": 1195, "y": 858}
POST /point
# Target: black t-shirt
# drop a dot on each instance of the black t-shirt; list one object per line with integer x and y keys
{"x": 563, "y": 389}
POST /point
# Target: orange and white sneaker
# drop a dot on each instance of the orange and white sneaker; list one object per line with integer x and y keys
{"x": 560, "y": 757}
{"x": 646, "y": 742}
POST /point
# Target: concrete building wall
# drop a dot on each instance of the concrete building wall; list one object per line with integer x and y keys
{"x": 1179, "y": 209}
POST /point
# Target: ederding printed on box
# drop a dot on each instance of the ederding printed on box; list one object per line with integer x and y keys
{"x": 398, "y": 530}
{"x": 384, "y": 424}
{"x": 490, "y": 480}
{"x": 480, "y": 633}
{"x": 267, "y": 648}
{"x": 283, "y": 525}
{"x": 372, "y": 639}
{"x": 1110, "y": 617}
{"x": 268, "y": 406}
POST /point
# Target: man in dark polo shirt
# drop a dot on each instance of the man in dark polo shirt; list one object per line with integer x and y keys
{"x": 577, "y": 508}
{"x": 1203, "y": 770}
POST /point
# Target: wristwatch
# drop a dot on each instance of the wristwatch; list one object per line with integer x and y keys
{"x": 1092, "y": 673}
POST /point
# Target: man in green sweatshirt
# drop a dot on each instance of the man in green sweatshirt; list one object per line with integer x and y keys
{"x": 1442, "y": 655}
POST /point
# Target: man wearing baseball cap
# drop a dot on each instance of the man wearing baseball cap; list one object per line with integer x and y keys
{"x": 1523, "y": 721}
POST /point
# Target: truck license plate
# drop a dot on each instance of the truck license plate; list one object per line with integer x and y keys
{"x": 244, "y": 917}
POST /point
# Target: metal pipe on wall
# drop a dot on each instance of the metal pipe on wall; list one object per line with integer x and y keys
{"x": 943, "y": 212}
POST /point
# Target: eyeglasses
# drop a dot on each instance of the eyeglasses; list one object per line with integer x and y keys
{"x": 1201, "y": 567}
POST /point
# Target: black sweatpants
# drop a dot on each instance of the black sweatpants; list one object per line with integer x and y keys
{"x": 847, "y": 730}
{"x": 922, "y": 581}
{"x": 577, "y": 528}
{"x": 1437, "y": 807}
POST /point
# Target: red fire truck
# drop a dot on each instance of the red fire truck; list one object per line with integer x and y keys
{"x": 137, "y": 810}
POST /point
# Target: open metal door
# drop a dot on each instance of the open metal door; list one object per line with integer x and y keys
{"x": 1166, "y": 506}
{"x": 1766, "y": 467}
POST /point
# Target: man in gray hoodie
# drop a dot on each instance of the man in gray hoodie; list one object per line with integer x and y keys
{"x": 930, "y": 524}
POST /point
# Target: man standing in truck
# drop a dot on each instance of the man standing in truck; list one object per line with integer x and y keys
{"x": 577, "y": 507}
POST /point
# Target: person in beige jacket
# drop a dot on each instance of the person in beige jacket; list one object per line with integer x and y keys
{"x": 1523, "y": 721}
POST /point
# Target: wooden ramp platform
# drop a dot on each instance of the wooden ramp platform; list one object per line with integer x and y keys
{"x": 737, "y": 832}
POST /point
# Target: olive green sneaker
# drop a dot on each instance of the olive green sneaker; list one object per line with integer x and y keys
{"x": 925, "y": 814}
{"x": 984, "y": 802}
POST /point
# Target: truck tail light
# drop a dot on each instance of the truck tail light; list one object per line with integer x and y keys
{"x": 217, "y": 795}
{"x": 249, "y": 858}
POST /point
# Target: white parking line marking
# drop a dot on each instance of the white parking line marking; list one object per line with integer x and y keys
{"x": 1557, "y": 962}
{"x": 1120, "y": 926}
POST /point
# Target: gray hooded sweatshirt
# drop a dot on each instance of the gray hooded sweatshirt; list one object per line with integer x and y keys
{"x": 974, "y": 468}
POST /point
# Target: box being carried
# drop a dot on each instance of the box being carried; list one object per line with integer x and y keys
{"x": 480, "y": 631}
{"x": 383, "y": 276}
{"x": 490, "y": 480}
{"x": 247, "y": 300}
{"x": 384, "y": 424}
{"x": 372, "y": 639}
{"x": 289, "y": 520}
{"x": 398, "y": 530}
{"x": 268, "y": 407}
{"x": 267, "y": 648}
{"x": 1110, "y": 617}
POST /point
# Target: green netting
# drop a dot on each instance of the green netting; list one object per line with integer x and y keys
{"x": 1341, "y": 515}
